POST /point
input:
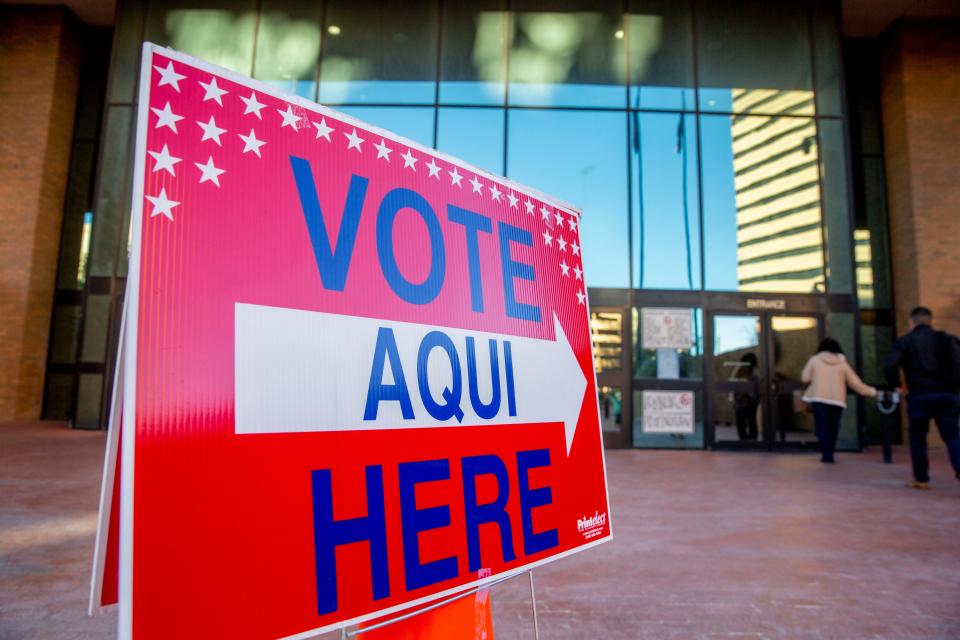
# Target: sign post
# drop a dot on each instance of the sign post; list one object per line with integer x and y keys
{"x": 357, "y": 373}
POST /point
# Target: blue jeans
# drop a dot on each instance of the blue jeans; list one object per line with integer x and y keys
{"x": 826, "y": 420}
{"x": 944, "y": 408}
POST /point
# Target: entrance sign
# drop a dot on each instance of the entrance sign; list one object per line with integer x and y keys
{"x": 666, "y": 328}
{"x": 357, "y": 372}
{"x": 668, "y": 412}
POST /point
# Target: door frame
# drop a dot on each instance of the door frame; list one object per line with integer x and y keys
{"x": 768, "y": 388}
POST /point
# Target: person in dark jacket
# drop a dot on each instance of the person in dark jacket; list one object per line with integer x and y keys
{"x": 928, "y": 358}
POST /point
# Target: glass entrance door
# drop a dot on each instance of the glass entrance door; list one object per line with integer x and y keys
{"x": 757, "y": 360}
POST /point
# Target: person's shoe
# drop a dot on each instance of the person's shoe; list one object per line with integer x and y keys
{"x": 827, "y": 460}
{"x": 916, "y": 484}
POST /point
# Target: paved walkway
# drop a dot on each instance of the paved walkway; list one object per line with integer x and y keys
{"x": 707, "y": 545}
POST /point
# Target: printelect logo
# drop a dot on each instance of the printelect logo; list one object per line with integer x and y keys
{"x": 591, "y": 524}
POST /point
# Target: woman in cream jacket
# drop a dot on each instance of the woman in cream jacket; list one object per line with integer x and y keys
{"x": 828, "y": 376}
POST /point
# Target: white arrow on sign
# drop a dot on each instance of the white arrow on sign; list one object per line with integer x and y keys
{"x": 299, "y": 371}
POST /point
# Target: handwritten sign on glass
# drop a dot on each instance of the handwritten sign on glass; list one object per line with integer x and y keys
{"x": 668, "y": 412}
{"x": 666, "y": 328}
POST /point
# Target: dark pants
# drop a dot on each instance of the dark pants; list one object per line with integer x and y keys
{"x": 944, "y": 408}
{"x": 826, "y": 418}
{"x": 747, "y": 422}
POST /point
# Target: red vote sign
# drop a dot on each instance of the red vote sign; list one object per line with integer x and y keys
{"x": 357, "y": 373}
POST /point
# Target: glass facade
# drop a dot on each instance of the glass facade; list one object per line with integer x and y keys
{"x": 704, "y": 141}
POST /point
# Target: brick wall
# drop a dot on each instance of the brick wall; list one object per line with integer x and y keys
{"x": 921, "y": 126}
{"x": 39, "y": 71}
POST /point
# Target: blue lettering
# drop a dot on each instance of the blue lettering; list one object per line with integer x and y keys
{"x": 472, "y": 223}
{"x": 333, "y": 263}
{"x": 512, "y": 270}
{"x": 376, "y": 390}
{"x": 493, "y": 512}
{"x": 416, "y": 520}
{"x": 532, "y": 498}
{"x": 508, "y": 365}
{"x": 453, "y": 394}
{"x": 489, "y": 410}
{"x": 414, "y": 293}
{"x": 328, "y": 534}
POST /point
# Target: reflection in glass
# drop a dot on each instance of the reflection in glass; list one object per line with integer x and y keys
{"x": 113, "y": 198}
{"x": 475, "y": 135}
{"x": 645, "y": 438}
{"x": 738, "y": 415}
{"x": 795, "y": 339}
{"x": 610, "y": 400}
{"x": 415, "y": 123}
{"x": 606, "y": 333}
{"x": 733, "y": 337}
{"x": 288, "y": 45}
{"x": 567, "y": 53}
{"x": 755, "y": 58}
{"x": 473, "y": 53}
{"x": 221, "y": 32}
{"x": 376, "y": 52}
{"x": 578, "y": 157}
{"x": 661, "y": 54}
{"x": 666, "y": 209}
{"x": 872, "y": 250}
{"x": 668, "y": 364}
{"x": 761, "y": 204}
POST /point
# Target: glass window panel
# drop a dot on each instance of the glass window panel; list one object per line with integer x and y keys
{"x": 876, "y": 341}
{"x": 75, "y": 233}
{"x": 871, "y": 240}
{"x": 415, "y": 123}
{"x": 836, "y": 206}
{"x": 606, "y": 333}
{"x": 88, "y": 401}
{"x": 113, "y": 199}
{"x": 473, "y": 53}
{"x": 862, "y": 80}
{"x": 127, "y": 40}
{"x": 58, "y": 400}
{"x": 668, "y": 364}
{"x": 665, "y": 207}
{"x": 567, "y": 53}
{"x": 66, "y": 328}
{"x": 376, "y": 52}
{"x": 841, "y": 327}
{"x": 95, "y": 325}
{"x": 643, "y": 435}
{"x": 220, "y": 32}
{"x": 761, "y": 204}
{"x": 288, "y": 45}
{"x": 578, "y": 157}
{"x": 610, "y": 400}
{"x": 93, "y": 82}
{"x": 661, "y": 54}
{"x": 475, "y": 135}
{"x": 754, "y": 57}
{"x": 827, "y": 56}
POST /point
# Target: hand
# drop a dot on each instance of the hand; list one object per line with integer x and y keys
{"x": 901, "y": 390}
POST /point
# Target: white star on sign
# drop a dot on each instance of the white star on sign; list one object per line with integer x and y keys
{"x": 250, "y": 143}
{"x": 354, "y": 141}
{"x": 565, "y": 268}
{"x": 495, "y": 193}
{"x": 529, "y": 206}
{"x": 562, "y": 243}
{"x": 212, "y": 92}
{"x": 434, "y": 169}
{"x": 547, "y": 238}
{"x": 211, "y": 131}
{"x": 572, "y": 223}
{"x": 579, "y": 272}
{"x": 576, "y": 248}
{"x": 559, "y": 218}
{"x": 324, "y": 131}
{"x": 164, "y": 161}
{"x": 289, "y": 119}
{"x": 476, "y": 184}
{"x": 169, "y": 76}
{"x": 513, "y": 200}
{"x": 166, "y": 118}
{"x": 409, "y": 160}
{"x": 253, "y": 106}
{"x": 383, "y": 151}
{"x": 545, "y": 212}
{"x": 209, "y": 172}
{"x": 580, "y": 297}
{"x": 162, "y": 205}
{"x": 455, "y": 177}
